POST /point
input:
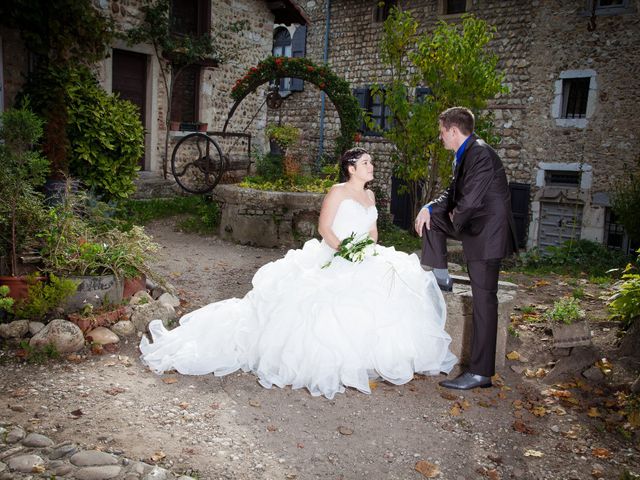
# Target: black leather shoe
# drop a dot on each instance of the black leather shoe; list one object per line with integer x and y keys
{"x": 446, "y": 287}
{"x": 467, "y": 381}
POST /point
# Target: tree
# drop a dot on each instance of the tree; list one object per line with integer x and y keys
{"x": 174, "y": 51}
{"x": 457, "y": 68}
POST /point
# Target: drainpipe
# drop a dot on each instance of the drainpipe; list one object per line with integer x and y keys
{"x": 325, "y": 58}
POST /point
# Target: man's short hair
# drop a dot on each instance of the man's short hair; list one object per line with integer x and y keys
{"x": 460, "y": 117}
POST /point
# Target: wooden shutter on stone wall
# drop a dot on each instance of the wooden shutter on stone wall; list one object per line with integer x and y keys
{"x": 298, "y": 49}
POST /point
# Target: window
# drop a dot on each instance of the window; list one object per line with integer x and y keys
{"x": 284, "y": 45}
{"x": 383, "y": 9}
{"x": 562, "y": 178}
{"x": 575, "y": 93}
{"x": 378, "y": 111}
{"x": 422, "y": 93}
{"x": 190, "y": 17}
{"x": 452, "y": 7}
{"x": 184, "y": 102}
{"x": 608, "y": 7}
{"x": 575, "y": 98}
{"x": 615, "y": 236}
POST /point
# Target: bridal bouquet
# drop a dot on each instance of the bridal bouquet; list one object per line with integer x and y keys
{"x": 354, "y": 248}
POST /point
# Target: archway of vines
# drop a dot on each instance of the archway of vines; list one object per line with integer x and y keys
{"x": 336, "y": 88}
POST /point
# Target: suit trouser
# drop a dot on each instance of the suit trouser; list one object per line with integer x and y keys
{"x": 484, "y": 289}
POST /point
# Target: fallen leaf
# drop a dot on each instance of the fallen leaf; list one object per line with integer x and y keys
{"x": 428, "y": 470}
{"x": 38, "y": 469}
{"x": 448, "y": 395}
{"x": 156, "y": 457}
{"x": 485, "y": 404}
{"x": 600, "y": 453}
{"x": 254, "y": 403}
{"x": 77, "y": 413}
{"x": 345, "y": 430}
{"x": 455, "y": 410}
{"x": 513, "y": 355}
{"x": 533, "y": 453}
{"x": 593, "y": 412}
{"x": 517, "y": 404}
{"x": 541, "y": 283}
{"x": 558, "y": 410}
{"x": 19, "y": 392}
{"x": 115, "y": 390}
{"x": 215, "y": 406}
{"x": 16, "y": 408}
{"x": 272, "y": 428}
{"x": 570, "y": 434}
{"x": 556, "y": 393}
{"x": 539, "y": 411}
{"x": 373, "y": 385}
{"x": 520, "y": 426}
{"x": 300, "y": 445}
{"x": 183, "y": 405}
{"x": 169, "y": 380}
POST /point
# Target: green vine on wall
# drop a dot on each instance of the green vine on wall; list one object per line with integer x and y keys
{"x": 338, "y": 90}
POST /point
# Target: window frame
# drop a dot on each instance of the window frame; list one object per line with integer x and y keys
{"x": 443, "y": 7}
{"x": 625, "y": 7}
{"x": 558, "y": 107}
{"x": 382, "y": 12}
{"x": 367, "y": 102}
{"x": 196, "y": 99}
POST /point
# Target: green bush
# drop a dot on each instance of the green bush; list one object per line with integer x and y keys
{"x": 269, "y": 166}
{"x": 573, "y": 257}
{"x": 565, "y": 310}
{"x": 6, "y": 303}
{"x": 626, "y": 201}
{"x": 44, "y": 297}
{"x": 625, "y": 303}
{"x": 106, "y": 135}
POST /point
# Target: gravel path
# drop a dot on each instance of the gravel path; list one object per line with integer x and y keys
{"x": 231, "y": 428}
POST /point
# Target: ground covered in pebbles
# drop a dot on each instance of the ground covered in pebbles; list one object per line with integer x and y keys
{"x": 231, "y": 428}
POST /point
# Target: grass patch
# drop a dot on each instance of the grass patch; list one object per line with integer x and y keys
{"x": 402, "y": 240}
{"x": 201, "y": 214}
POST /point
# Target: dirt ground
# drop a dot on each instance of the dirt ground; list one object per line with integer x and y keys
{"x": 232, "y": 428}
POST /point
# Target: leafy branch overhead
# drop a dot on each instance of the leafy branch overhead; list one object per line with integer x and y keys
{"x": 455, "y": 67}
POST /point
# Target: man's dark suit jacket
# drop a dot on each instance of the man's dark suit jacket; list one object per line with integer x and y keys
{"x": 481, "y": 204}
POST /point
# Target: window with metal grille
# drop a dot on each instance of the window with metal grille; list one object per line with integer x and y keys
{"x": 615, "y": 236}
{"x": 575, "y": 94}
{"x": 562, "y": 178}
{"x": 383, "y": 9}
{"x": 378, "y": 111}
{"x": 455, "y": 6}
{"x": 184, "y": 101}
{"x": 422, "y": 93}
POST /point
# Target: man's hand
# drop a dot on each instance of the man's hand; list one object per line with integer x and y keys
{"x": 423, "y": 219}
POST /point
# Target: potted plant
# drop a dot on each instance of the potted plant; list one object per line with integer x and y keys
{"x": 568, "y": 324}
{"x": 22, "y": 211}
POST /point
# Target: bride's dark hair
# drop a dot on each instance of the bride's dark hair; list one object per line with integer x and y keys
{"x": 350, "y": 157}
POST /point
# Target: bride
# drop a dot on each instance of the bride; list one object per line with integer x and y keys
{"x": 316, "y": 320}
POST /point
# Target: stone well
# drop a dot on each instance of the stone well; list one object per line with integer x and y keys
{"x": 267, "y": 219}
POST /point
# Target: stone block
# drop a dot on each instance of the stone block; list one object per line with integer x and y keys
{"x": 459, "y": 318}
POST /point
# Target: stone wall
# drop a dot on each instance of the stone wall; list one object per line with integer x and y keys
{"x": 536, "y": 42}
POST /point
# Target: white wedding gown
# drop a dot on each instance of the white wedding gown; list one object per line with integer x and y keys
{"x": 319, "y": 328}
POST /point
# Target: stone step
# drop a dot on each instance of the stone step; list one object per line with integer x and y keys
{"x": 153, "y": 185}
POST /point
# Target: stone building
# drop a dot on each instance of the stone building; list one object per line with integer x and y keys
{"x": 201, "y": 93}
{"x": 567, "y": 125}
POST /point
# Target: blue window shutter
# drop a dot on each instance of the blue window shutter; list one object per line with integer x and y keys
{"x": 361, "y": 96}
{"x": 298, "y": 49}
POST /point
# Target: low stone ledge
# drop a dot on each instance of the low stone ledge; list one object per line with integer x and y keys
{"x": 265, "y": 218}
{"x": 459, "y": 318}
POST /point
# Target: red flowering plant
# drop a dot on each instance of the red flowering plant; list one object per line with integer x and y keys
{"x": 338, "y": 90}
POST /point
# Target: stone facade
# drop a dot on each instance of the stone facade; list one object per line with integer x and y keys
{"x": 540, "y": 44}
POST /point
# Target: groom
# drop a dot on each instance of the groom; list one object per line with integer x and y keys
{"x": 476, "y": 209}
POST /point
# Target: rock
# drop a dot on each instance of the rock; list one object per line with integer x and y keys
{"x": 594, "y": 374}
{"x": 569, "y": 367}
{"x": 140, "y": 298}
{"x": 15, "y": 435}
{"x": 65, "y": 336}
{"x": 15, "y": 329}
{"x": 25, "y": 463}
{"x": 37, "y": 440}
{"x": 103, "y": 336}
{"x": 35, "y": 327}
{"x": 143, "y": 314}
{"x": 124, "y": 328}
{"x": 157, "y": 474}
{"x": 102, "y": 472}
{"x": 170, "y": 299}
{"x": 63, "y": 451}
{"x": 89, "y": 458}
{"x": 60, "y": 469}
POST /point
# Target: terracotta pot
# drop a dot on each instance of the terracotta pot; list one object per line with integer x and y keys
{"x": 18, "y": 286}
{"x": 202, "y": 127}
{"x": 174, "y": 126}
{"x": 133, "y": 285}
